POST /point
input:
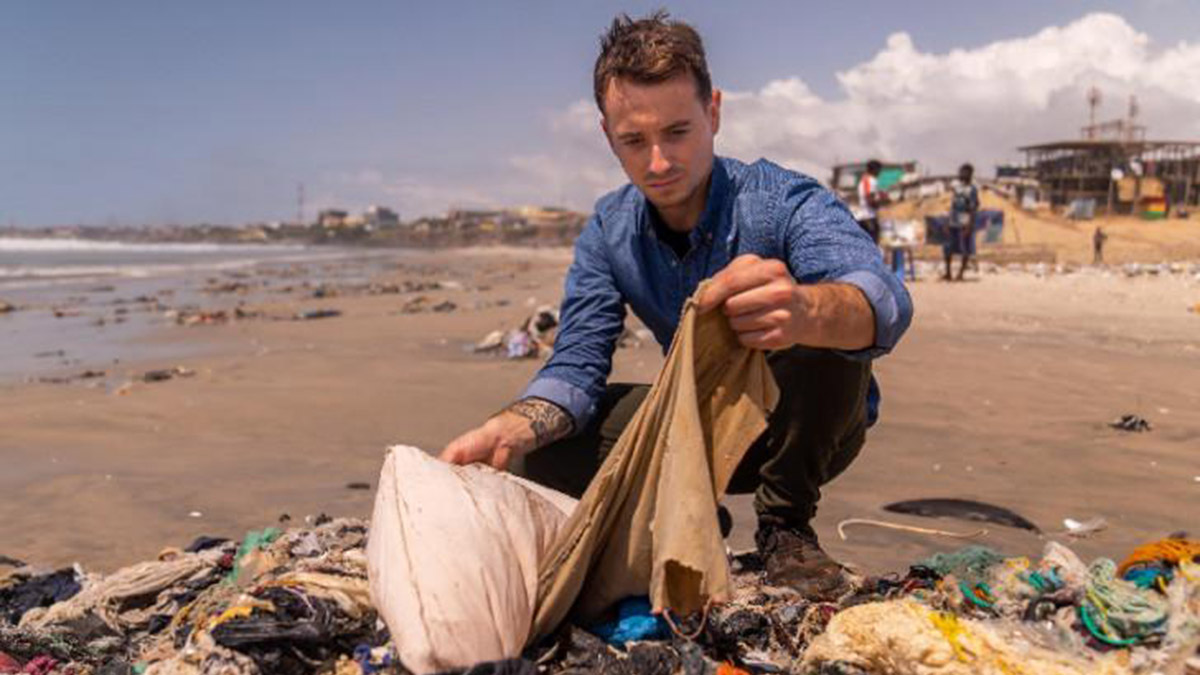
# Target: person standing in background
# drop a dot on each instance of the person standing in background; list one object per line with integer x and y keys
{"x": 870, "y": 199}
{"x": 1098, "y": 239}
{"x": 963, "y": 206}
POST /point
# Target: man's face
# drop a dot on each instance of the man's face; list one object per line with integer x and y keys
{"x": 965, "y": 175}
{"x": 663, "y": 137}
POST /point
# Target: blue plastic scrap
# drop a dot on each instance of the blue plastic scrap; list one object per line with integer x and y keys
{"x": 634, "y": 622}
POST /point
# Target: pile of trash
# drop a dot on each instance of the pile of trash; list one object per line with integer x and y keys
{"x": 533, "y": 338}
{"x": 276, "y": 602}
{"x": 297, "y": 601}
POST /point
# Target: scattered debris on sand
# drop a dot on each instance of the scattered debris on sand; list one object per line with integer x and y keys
{"x": 297, "y": 601}
{"x": 1131, "y": 423}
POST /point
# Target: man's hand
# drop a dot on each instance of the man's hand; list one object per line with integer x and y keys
{"x": 521, "y": 428}
{"x": 769, "y": 310}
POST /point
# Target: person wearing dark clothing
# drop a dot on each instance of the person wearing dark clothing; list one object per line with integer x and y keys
{"x": 1098, "y": 239}
{"x": 964, "y": 204}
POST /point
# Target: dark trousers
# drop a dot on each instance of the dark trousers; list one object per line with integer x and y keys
{"x": 814, "y": 433}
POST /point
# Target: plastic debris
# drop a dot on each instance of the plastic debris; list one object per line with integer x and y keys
{"x": 1086, "y": 528}
{"x": 1130, "y": 423}
{"x": 313, "y": 314}
{"x": 964, "y": 509}
{"x": 165, "y": 374}
{"x": 634, "y": 621}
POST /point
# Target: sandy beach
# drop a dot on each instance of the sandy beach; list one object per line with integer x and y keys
{"x": 1002, "y": 391}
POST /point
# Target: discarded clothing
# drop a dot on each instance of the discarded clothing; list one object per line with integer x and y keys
{"x": 903, "y": 637}
{"x": 632, "y": 530}
{"x": 37, "y": 591}
{"x": 467, "y": 546}
{"x": 457, "y": 546}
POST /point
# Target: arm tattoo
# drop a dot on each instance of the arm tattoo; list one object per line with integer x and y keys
{"x": 548, "y": 421}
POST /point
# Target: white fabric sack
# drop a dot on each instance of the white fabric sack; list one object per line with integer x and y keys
{"x": 453, "y": 558}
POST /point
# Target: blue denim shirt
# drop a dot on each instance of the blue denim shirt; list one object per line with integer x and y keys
{"x": 757, "y": 208}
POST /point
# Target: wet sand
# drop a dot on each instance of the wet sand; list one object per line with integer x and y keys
{"x": 1001, "y": 391}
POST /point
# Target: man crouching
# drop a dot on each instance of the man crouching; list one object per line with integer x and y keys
{"x": 790, "y": 267}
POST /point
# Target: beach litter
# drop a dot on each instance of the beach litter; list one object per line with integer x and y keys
{"x": 187, "y": 317}
{"x": 298, "y": 601}
{"x": 1131, "y": 423}
{"x": 164, "y": 374}
{"x": 1082, "y": 529}
{"x": 538, "y": 556}
{"x": 22, "y": 590}
{"x": 963, "y": 509}
{"x": 314, "y": 314}
{"x": 533, "y": 338}
{"x": 67, "y": 379}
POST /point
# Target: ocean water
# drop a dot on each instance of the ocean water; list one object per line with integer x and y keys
{"x": 79, "y": 305}
{"x": 42, "y": 263}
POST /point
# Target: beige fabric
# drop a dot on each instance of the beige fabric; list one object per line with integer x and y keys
{"x": 467, "y": 564}
{"x": 648, "y": 521}
{"x": 453, "y": 557}
{"x": 113, "y": 598}
{"x": 903, "y": 637}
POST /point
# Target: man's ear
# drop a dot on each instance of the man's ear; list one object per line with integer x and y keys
{"x": 714, "y": 111}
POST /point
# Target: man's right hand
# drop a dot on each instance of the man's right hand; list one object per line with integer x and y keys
{"x": 497, "y": 442}
{"x": 523, "y": 427}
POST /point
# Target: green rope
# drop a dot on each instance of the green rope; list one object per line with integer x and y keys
{"x": 972, "y": 564}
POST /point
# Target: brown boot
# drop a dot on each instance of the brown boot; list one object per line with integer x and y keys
{"x": 793, "y": 559}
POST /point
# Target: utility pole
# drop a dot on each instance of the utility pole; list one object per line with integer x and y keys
{"x": 1093, "y": 99}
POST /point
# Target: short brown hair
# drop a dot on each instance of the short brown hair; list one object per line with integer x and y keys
{"x": 650, "y": 50}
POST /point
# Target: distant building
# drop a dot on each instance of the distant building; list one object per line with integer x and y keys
{"x": 1122, "y": 176}
{"x": 332, "y": 218}
{"x": 1113, "y": 166}
{"x": 381, "y": 217}
{"x": 846, "y": 176}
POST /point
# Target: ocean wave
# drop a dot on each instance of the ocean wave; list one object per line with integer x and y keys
{"x": 35, "y": 276}
{"x": 19, "y": 245}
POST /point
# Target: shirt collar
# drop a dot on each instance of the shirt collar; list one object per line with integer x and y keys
{"x": 718, "y": 189}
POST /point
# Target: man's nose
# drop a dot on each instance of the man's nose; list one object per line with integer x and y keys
{"x": 658, "y": 161}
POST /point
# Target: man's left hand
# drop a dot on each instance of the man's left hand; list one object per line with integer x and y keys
{"x": 766, "y": 307}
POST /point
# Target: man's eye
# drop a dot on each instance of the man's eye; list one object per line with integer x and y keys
{"x": 679, "y": 132}
{"x": 633, "y": 142}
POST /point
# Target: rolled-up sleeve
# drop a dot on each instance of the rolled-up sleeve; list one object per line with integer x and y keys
{"x": 592, "y": 317}
{"x": 823, "y": 243}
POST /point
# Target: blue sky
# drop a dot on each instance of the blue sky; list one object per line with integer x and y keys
{"x": 146, "y": 111}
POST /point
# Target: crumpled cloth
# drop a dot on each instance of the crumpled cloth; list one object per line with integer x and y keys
{"x": 904, "y": 637}
{"x": 647, "y": 523}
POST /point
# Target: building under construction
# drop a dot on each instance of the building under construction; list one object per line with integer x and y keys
{"x": 1113, "y": 166}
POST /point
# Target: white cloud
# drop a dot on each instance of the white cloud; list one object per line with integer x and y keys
{"x": 974, "y": 105}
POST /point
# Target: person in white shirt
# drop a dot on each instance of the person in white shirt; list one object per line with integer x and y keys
{"x": 870, "y": 199}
